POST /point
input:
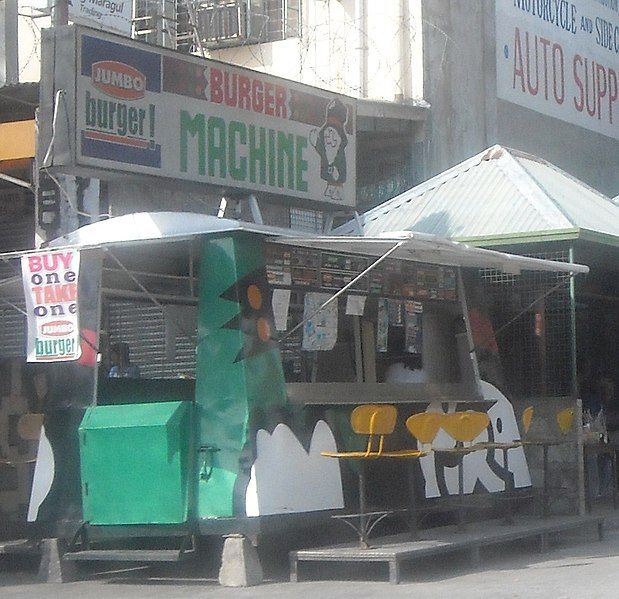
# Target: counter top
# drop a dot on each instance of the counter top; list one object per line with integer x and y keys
{"x": 362, "y": 393}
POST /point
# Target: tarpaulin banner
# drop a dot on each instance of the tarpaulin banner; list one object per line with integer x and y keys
{"x": 50, "y": 287}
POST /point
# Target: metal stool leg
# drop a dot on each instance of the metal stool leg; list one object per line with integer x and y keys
{"x": 461, "y": 525}
{"x": 545, "y": 492}
{"x": 509, "y": 488}
{"x": 412, "y": 509}
{"x": 363, "y": 521}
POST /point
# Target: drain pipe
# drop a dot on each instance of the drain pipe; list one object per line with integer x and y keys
{"x": 404, "y": 53}
{"x": 361, "y": 18}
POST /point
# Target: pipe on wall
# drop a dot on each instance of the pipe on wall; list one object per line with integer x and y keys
{"x": 361, "y": 18}
{"x": 404, "y": 53}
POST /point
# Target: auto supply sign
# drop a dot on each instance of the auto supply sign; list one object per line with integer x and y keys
{"x": 156, "y": 112}
{"x": 50, "y": 287}
{"x": 561, "y": 59}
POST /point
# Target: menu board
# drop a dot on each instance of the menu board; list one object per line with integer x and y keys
{"x": 315, "y": 269}
{"x": 278, "y": 265}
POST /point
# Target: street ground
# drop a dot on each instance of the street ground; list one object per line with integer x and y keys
{"x": 577, "y": 566}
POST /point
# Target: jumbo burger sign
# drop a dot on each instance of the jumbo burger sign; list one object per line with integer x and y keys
{"x": 149, "y": 111}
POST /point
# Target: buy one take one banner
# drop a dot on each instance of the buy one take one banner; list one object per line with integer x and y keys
{"x": 184, "y": 117}
{"x": 50, "y": 287}
{"x": 561, "y": 58}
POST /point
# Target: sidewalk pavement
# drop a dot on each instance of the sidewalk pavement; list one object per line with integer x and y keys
{"x": 577, "y": 566}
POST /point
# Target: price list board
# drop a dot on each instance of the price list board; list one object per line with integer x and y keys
{"x": 315, "y": 269}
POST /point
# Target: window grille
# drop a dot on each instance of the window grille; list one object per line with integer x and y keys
{"x": 535, "y": 349}
{"x": 306, "y": 220}
{"x": 225, "y": 23}
{"x": 142, "y": 326}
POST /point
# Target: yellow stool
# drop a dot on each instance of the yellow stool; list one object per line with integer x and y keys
{"x": 464, "y": 428}
{"x": 376, "y": 422}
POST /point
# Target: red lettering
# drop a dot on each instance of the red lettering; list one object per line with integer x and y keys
{"x": 559, "y": 96}
{"x": 38, "y": 294}
{"x": 579, "y": 103}
{"x": 269, "y": 99}
{"x": 217, "y": 95}
{"x": 256, "y": 95}
{"x": 602, "y": 89}
{"x": 545, "y": 43}
{"x": 66, "y": 259}
{"x": 34, "y": 263}
{"x": 244, "y": 92}
{"x": 590, "y": 109}
{"x": 230, "y": 89}
{"x": 518, "y": 66}
{"x": 613, "y": 92}
{"x": 532, "y": 90}
{"x": 280, "y": 102}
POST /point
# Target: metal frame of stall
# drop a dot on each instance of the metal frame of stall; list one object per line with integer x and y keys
{"x": 240, "y": 245}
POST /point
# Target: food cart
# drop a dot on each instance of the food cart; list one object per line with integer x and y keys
{"x": 268, "y": 339}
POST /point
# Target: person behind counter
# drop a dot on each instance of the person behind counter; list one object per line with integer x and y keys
{"x": 121, "y": 363}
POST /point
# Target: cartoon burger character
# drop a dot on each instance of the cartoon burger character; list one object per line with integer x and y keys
{"x": 330, "y": 142}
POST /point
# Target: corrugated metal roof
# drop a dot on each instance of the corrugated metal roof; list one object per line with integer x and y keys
{"x": 497, "y": 193}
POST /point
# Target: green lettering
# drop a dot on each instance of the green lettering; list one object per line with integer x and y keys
{"x": 216, "y": 146}
{"x": 193, "y": 126}
{"x": 285, "y": 151}
{"x": 237, "y": 171}
{"x": 301, "y": 165}
{"x": 257, "y": 154}
{"x": 271, "y": 157}
{"x": 133, "y": 120}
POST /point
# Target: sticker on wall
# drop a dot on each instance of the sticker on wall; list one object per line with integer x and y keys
{"x": 281, "y": 304}
{"x": 320, "y": 329}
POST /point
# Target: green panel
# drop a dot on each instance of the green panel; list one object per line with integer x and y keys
{"x": 135, "y": 462}
{"x": 239, "y": 377}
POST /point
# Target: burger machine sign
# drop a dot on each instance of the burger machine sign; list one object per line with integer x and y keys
{"x": 157, "y": 112}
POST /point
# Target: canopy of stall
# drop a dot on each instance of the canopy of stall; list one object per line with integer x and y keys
{"x": 423, "y": 247}
{"x": 157, "y": 227}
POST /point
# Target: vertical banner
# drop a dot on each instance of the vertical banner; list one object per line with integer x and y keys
{"x": 382, "y": 325}
{"x": 413, "y": 331}
{"x": 50, "y": 282}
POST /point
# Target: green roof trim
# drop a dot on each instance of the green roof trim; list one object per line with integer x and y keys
{"x": 517, "y": 238}
{"x": 598, "y": 237}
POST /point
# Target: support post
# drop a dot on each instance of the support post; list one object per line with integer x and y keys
{"x": 52, "y": 568}
{"x": 240, "y": 566}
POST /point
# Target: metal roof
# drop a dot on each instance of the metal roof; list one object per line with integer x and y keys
{"x": 498, "y": 196}
{"x": 152, "y": 227}
{"x": 159, "y": 226}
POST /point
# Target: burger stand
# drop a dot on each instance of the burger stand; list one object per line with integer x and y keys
{"x": 291, "y": 332}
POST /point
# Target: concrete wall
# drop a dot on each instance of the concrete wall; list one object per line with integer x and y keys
{"x": 563, "y": 461}
{"x": 466, "y": 116}
{"x": 328, "y": 53}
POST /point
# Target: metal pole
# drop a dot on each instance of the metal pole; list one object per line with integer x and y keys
{"x": 9, "y": 62}
{"x": 580, "y": 451}
{"x": 60, "y": 13}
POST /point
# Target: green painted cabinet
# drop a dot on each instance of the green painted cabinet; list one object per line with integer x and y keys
{"x": 136, "y": 463}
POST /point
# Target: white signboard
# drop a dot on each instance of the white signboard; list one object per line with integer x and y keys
{"x": 561, "y": 59}
{"x": 156, "y": 112}
{"x": 50, "y": 288}
{"x": 111, "y": 15}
